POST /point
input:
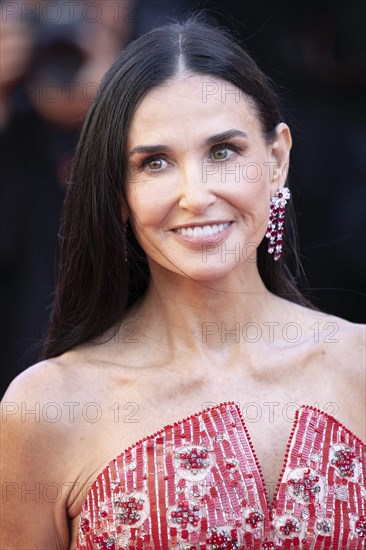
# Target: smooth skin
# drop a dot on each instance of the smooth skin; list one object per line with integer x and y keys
{"x": 174, "y": 353}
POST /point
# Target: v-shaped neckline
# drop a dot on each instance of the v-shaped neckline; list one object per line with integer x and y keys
{"x": 123, "y": 472}
{"x": 269, "y": 505}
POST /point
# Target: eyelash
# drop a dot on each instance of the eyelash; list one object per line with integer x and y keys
{"x": 218, "y": 147}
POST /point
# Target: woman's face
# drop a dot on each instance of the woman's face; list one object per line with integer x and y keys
{"x": 201, "y": 176}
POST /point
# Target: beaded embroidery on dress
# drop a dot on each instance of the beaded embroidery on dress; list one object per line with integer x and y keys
{"x": 197, "y": 485}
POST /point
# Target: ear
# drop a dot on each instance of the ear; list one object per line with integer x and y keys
{"x": 279, "y": 152}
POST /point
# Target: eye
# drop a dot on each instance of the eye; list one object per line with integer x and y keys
{"x": 154, "y": 164}
{"x": 223, "y": 151}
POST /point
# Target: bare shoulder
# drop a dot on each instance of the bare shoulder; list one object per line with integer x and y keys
{"x": 42, "y": 380}
{"x": 331, "y": 341}
{"x": 325, "y": 328}
{"x": 332, "y": 355}
{"x": 341, "y": 345}
{"x": 34, "y": 443}
{"x": 39, "y": 409}
{"x": 345, "y": 352}
{"x": 32, "y": 408}
{"x": 56, "y": 379}
{"x": 346, "y": 339}
{"x": 48, "y": 411}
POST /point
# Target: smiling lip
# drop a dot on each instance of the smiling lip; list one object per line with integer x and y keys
{"x": 203, "y": 233}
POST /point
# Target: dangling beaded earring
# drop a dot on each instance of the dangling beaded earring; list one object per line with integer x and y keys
{"x": 276, "y": 221}
{"x": 124, "y": 228}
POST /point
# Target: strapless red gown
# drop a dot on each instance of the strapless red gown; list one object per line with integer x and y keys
{"x": 197, "y": 484}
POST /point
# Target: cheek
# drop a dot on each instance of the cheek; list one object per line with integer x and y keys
{"x": 249, "y": 177}
{"x": 255, "y": 188}
{"x": 253, "y": 173}
{"x": 250, "y": 198}
{"x": 148, "y": 208}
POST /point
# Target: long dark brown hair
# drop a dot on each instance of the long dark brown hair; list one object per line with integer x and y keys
{"x": 95, "y": 284}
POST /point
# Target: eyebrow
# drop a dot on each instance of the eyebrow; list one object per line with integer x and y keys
{"x": 217, "y": 138}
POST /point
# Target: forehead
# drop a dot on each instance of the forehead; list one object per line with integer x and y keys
{"x": 193, "y": 104}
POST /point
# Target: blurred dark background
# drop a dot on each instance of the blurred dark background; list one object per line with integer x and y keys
{"x": 52, "y": 57}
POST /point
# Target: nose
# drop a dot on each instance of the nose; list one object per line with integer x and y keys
{"x": 196, "y": 194}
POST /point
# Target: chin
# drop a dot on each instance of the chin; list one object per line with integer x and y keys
{"x": 207, "y": 273}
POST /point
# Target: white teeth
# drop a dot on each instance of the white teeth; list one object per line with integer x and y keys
{"x": 205, "y": 231}
{"x": 197, "y": 232}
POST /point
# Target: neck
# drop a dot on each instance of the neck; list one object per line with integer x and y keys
{"x": 205, "y": 318}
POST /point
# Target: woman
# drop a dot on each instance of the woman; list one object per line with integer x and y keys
{"x": 173, "y": 304}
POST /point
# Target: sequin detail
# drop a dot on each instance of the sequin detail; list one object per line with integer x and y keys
{"x": 197, "y": 485}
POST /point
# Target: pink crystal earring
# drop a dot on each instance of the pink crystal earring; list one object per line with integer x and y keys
{"x": 276, "y": 221}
